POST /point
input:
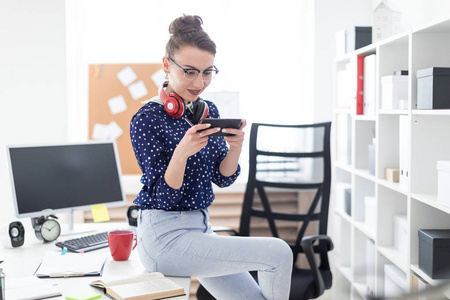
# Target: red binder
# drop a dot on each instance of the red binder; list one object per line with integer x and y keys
{"x": 360, "y": 85}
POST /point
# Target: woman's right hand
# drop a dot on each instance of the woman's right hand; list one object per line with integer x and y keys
{"x": 193, "y": 140}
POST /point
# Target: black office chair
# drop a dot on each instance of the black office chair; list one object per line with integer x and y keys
{"x": 289, "y": 157}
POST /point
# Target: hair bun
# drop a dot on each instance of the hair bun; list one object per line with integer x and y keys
{"x": 186, "y": 24}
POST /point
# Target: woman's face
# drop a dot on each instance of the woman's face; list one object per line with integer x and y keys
{"x": 188, "y": 57}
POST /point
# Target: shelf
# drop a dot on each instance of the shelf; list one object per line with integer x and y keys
{"x": 393, "y": 112}
{"x": 431, "y": 112}
{"x": 431, "y": 200}
{"x": 409, "y": 139}
{"x": 395, "y": 186}
{"x": 395, "y": 256}
{"x": 440, "y": 283}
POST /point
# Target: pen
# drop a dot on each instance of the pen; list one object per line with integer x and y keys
{"x": 189, "y": 122}
{"x": 64, "y": 250}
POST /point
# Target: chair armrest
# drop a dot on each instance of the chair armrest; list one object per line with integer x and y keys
{"x": 224, "y": 229}
{"x": 308, "y": 248}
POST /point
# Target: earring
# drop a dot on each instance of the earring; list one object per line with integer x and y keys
{"x": 167, "y": 76}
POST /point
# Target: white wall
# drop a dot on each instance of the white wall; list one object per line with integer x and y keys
{"x": 32, "y": 80}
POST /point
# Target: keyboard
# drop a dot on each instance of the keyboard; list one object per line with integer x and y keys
{"x": 86, "y": 243}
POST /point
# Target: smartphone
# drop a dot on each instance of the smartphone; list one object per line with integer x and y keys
{"x": 222, "y": 123}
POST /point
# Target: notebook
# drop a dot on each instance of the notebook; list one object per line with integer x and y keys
{"x": 69, "y": 264}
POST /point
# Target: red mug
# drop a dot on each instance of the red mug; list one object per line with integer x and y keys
{"x": 121, "y": 243}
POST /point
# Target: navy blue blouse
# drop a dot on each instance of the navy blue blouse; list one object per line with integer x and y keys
{"x": 154, "y": 136}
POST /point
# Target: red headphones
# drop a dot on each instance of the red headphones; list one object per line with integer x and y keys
{"x": 174, "y": 105}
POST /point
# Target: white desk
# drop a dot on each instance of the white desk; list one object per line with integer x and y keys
{"x": 23, "y": 261}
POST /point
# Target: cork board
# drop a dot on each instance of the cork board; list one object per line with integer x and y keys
{"x": 116, "y": 92}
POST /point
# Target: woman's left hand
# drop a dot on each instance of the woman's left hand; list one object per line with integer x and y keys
{"x": 235, "y": 141}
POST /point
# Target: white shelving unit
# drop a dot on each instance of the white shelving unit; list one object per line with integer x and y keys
{"x": 362, "y": 251}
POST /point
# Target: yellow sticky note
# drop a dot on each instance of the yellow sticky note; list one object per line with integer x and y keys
{"x": 100, "y": 213}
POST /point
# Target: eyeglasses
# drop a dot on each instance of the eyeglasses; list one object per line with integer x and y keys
{"x": 192, "y": 74}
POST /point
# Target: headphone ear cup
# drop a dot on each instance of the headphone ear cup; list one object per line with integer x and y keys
{"x": 173, "y": 104}
{"x": 201, "y": 111}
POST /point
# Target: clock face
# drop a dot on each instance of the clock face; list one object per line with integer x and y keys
{"x": 50, "y": 230}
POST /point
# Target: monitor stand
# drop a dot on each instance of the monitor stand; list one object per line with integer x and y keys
{"x": 69, "y": 228}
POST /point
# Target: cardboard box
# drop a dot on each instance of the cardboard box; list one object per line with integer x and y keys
{"x": 394, "y": 92}
{"x": 434, "y": 251}
{"x": 392, "y": 174}
{"x": 433, "y": 88}
{"x": 401, "y": 233}
{"x": 444, "y": 182}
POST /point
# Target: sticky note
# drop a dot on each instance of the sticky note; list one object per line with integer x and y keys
{"x": 138, "y": 90}
{"x": 126, "y": 76}
{"x": 83, "y": 295}
{"x": 100, "y": 213}
{"x": 117, "y": 104}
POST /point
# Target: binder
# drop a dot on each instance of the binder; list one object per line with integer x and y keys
{"x": 360, "y": 85}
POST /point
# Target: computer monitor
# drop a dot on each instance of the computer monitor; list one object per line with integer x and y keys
{"x": 61, "y": 178}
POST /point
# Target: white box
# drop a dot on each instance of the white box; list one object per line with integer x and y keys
{"x": 370, "y": 215}
{"x": 444, "y": 182}
{"x": 401, "y": 234}
{"x": 394, "y": 92}
{"x": 394, "y": 281}
{"x": 370, "y": 266}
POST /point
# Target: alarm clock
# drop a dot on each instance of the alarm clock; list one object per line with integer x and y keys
{"x": 46, "y": 229}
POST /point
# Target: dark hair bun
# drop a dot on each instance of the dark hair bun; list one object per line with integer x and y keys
{"x": 186, "y": 24}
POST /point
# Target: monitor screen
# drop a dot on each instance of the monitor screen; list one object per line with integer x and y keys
{"x": 64, "y": 177}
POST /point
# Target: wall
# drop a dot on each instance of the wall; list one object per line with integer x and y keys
{"x": 32, "y": 80}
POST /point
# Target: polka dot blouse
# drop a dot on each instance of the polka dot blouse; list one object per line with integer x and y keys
{"x": 154, "y": 136}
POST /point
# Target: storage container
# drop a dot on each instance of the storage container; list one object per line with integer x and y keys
{"x": 394, "y": 92}
{"x": 434, "y": 252}
{"x": 444, "y": 182}
{"x": 400, "y": 233}
{"x": 370, "y": 215}
{"x": 394, "y": 281}
{"x": 358, "y": 37}
{"x": 433, "y": 88}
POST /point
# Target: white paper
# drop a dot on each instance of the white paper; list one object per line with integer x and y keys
{"x": 114, "y": 130}
{"x": 29, "y": 288}
{"x": 100, "y": 132}
{"x": 159, "y": 77}
{"x": 138, "y": 90}
{"x": 117, "y": 104}
{"x": 107, "y": 132}
{"x": 71, "y": 263}
{"x": 126, "y": 76}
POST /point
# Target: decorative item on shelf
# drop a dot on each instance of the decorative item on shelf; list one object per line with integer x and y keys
{"x": 46, "y": 228}
{"x": 434, "y": 247}
{"x": 387, "y": 21}
{"x": 392, "y": 174}
{"x": 433, "y": 88}
{"x": 444, "y": 182}
{"x": 12, "y": 234}
{"x": 344, "y": 197}
{"x": 394, "y": 91}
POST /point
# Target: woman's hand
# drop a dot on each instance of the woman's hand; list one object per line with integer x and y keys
{"x": 193, "y": 140}
{"x": 235, "y": 141}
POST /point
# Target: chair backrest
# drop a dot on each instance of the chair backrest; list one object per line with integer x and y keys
{"x": 294, "y": 157}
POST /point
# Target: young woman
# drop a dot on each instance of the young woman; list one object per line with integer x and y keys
{"x": 180, "y": 161}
